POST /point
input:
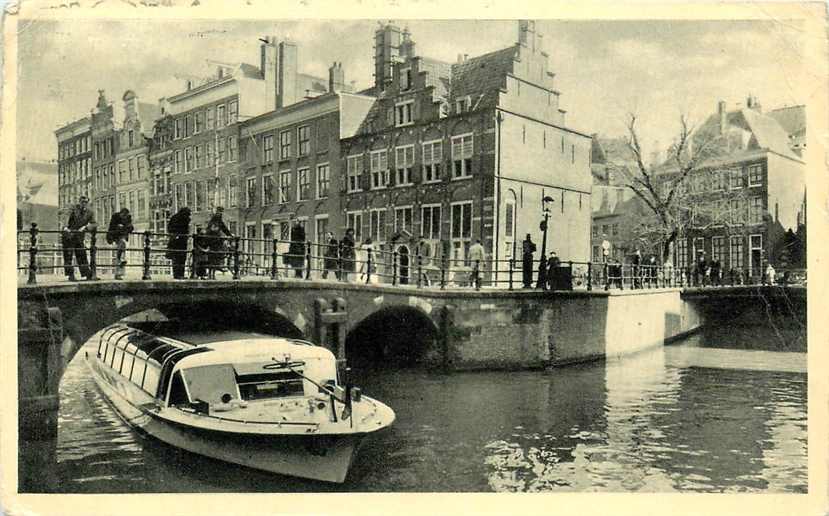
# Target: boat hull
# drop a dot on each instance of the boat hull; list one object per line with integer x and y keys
{"x": 326, "y": 457}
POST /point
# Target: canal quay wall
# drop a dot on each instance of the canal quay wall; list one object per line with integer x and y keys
{"x": 560, "y": 328}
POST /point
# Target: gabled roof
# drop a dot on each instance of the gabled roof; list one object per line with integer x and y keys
{"x": 483, "y": 75}
{"x": 769, "y": 134}
{"x": 791, "y": 118}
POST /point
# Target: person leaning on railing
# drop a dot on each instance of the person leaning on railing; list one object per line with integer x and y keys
{"x": 81, "y": 219}
{"x": 347, "y": 254}
{"x": 179, "y": 229}
{"x": 216, "y": 229}
{"x": 120, "y": 227}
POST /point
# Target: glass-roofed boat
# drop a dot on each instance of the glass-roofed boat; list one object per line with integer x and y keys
{"x": 269, "y": 403}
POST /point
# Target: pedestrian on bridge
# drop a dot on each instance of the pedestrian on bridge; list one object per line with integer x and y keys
{"x": 347, "y": 255}
{"x": 216, "y": 233}
{"x": 330, "y": 256}
{"x": 81, "y": 219}
{"x": 178, "y": 229}
{"x": 296, "y": 251}
{"x": 527, "y": 250}
{"x": 476, "y": 259}
{"x": 120, "y": 227}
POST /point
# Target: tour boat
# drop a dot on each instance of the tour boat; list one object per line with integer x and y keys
{"x": 270, "y": 403}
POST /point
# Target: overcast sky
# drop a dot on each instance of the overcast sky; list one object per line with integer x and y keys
{"x": 604, "y": 69}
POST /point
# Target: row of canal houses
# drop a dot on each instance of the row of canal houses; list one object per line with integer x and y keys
{"x": 433, "y": 152}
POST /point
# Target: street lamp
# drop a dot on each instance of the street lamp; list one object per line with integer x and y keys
{"x": 542, "y": 264}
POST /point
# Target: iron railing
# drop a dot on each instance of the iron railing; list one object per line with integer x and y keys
{"x": 42, "y": 253}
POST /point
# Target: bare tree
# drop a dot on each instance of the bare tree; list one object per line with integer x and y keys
{"x": 664, "y": 191}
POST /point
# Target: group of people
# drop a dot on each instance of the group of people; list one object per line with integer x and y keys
{"x": 528, "y": 249}
{"x": 209, "y": 246}
{"x": 82, "y": 220}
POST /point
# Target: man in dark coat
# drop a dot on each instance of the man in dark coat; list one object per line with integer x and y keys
{"x": 81, "y": 219}
{"x": 527, "y": 250}
{"x": 347, "y": 254}
{"x": 201, "y": 250}
{"x": 216, "y": 230}
{"x": 331, "y": 254}
{"x": 296, "y": 251}
{"x": 120, "y": 227}
{"x": 637, "y": 269}
{"x": 178, "y": 228}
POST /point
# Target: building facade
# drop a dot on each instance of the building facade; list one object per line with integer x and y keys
{"x": 74, "y": 165}
{"x": 105, "y": 146}
{"x": 746, "y": 207}
{"x": 291, "y": 157}
{"x": 452, "y": 153}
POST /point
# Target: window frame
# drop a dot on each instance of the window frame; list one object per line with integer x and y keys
{"x": 464, "y": 160}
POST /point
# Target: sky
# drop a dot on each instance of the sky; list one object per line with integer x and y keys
{"x": 605, "y": 70}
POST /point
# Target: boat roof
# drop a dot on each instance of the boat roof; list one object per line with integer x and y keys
{"x": 261, "y": 349}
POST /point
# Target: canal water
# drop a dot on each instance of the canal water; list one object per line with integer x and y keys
{"x": 721, "y": 411}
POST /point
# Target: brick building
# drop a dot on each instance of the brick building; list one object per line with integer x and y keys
{"x": 747, "y": 206}
{"x": 74, "y": 164}
{"x": 450, "y": 153}
{"x": 205, "y": 132}
{"x": 290, "y": 159}
{"x": 105, "y": 145}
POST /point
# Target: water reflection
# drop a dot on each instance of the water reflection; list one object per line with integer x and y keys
{"x": 653, "y": 422}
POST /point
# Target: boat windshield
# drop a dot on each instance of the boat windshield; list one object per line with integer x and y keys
{"x": 210, "y": 383}
{"x": 271, "y": 384}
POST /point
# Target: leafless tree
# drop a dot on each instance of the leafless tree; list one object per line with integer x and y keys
{"x": 663, "y": 189}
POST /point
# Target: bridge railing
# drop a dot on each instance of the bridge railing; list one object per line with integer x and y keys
{"x": 149, "y": 254}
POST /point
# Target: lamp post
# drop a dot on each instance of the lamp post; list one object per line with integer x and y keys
{"x": 542, "y": 263}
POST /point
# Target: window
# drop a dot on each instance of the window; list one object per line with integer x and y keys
{"x": 681, "y": 252}
{"x": 284, "y": 185}
{"x": 199, "y": 157}
{"x": 461, "y": 231}
{"x": 377, "y": 225}
{"x": 130, "y": 167}
{"x": 614, "y": 229}
{"x": 188, "y": 160}
{"x": 267, "y": 148}
{"x": 303, "y": 183}
{"x": 132, "y": 202}
{"x": 211, "y": 194}
{"x": 699, "y": 247}
{"x": 379, "y": 169}
{"x": 232, "y": 112}
{"x": 250, "y": 192}
{"x": 221, "y": 120}
{"x": 430, "y": 222}
{"x": 463, "y": 104}
{"x": 112, "y": 175}
{"x": 179, "y": 129}
{"x": 267, "y": 189}
{"x": 201, "y": 196}
{"x": 232, "y": 148}
{"x": 284, "y": 145}
{"x": 755, "y": 175}
{"x": 718, "y": 249}
{"x": 403, "y": 113}
{"x": 736, "y": 254}
{"x": 199, "y": 122}
{"x": 233, "y": 190}
{"x": 209, "y": 157}
{"x": 432, "y": 158}
{"x": 403, "y": 219}
{"x": 354, "y": 220}
{"x": 354, "y": 170}
{"x": 208, "y": 117}
{"x": 756, "y": 210}
{"x": 131, "y": 138}
{"x": 220, "y": 150}
{"x": 736, "y": 178}
{"x": 304, "y": 138}
{"x": 595, "y": 231}
{"x": 462, "y": 156}
{"x": 122, "y": 172}
{"x": 141, "y": 204}
{"x": 323, "y": 181}
{"x": 404, "y": 161}
{"x": 736, "y": 211}
{"x": 405, "y": 78}
{"x": 179, "y": 166}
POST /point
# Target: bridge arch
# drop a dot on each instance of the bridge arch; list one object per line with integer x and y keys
{"x": 396, "y": 335}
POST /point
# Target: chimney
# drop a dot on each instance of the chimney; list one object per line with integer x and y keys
{"x": 286, "y": 81}
{"x": 268, "y": 66}
{"x": 188, "y": 84}
{"x": 336, "y": 78}
{"x": 386, "y": 51}
{"x": 407, "y": 47}
{"x": 723, "y": 116}
{"x": 752, "y": 103}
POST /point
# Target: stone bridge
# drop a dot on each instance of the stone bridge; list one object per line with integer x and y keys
{"x": 453, "y": 329}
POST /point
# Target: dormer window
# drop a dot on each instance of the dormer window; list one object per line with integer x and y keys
{"x": 463, "y": 104}
{"x": 405, "y": 78}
